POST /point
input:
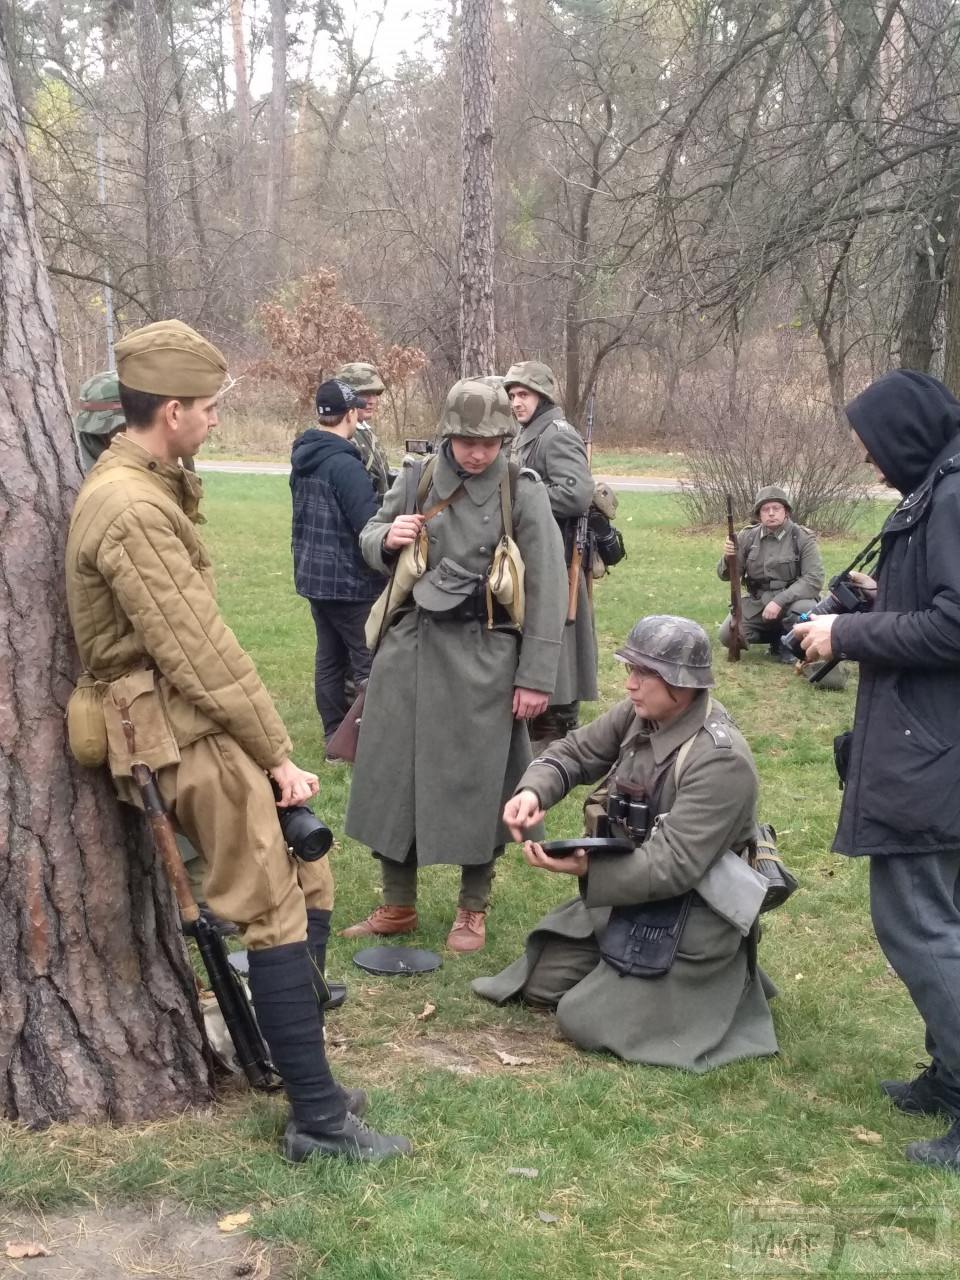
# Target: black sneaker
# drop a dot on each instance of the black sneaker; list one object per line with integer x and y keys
{"x": 353, "y": 1140}
{"x": 938, "y": 1153}
{"x": 927, "y": 1095}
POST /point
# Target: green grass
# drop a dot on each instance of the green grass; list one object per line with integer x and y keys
{"x": 644, "y": 1170}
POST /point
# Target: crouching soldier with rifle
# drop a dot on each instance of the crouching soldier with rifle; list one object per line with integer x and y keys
{"x": 655, "y": 958}
{"x": 157, "y": 654}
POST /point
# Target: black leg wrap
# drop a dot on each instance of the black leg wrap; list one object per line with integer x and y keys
{"x": 318, "y": 935}
{"x": 291, "y": 1019}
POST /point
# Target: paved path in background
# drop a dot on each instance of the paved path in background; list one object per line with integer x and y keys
{"x": 627, "y": 484}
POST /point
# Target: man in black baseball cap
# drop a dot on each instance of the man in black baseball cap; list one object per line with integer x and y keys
{"x": 336, "y": 399}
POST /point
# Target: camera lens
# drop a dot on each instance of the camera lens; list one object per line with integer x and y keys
{"x": 307, "y": 836}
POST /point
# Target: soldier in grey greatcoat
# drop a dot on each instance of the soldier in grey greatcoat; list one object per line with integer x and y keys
{"x": 366, "y": 381}
{"x": 443, "y": 738}
{"x": 555, "y": 450}
{"x": 780, "y": 566}
{"x": 670, "y": 744}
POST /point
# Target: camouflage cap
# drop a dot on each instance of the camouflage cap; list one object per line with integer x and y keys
{"x": 99, "y": 412}
{"x": 535, "y": 377}
{"x": 677, "y": 649}
{"x": 473, "y": 408}
{"x": 362, "y": 377}
{"x": 170, "y": 359}
{"x": 771, "y": 493}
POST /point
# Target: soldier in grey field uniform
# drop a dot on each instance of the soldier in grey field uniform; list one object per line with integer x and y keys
{"x": 780, "y": 566}
{"x": 555, "y": 450}
{"x": 669, "y": 743}
{"x": 365, "y": 380}
{"x": 443, "y": 738}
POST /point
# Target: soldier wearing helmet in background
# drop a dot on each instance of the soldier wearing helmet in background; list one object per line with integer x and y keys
{"x": 555, "y": 450}
{"x": 99, "y": 416}
{"x": 455, "y": 680}
{"x": 781, "y": 568}
{"x": 675, "y": 759}
{"x": 368, "y": 384}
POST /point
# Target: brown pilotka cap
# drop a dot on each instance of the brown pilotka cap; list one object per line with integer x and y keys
{"x": 170, "y": 359}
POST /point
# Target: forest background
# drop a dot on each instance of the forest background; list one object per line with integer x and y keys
{"x": 699, "y": 205}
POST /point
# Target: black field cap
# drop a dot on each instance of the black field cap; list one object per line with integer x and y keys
{"x": 335, "y": 397}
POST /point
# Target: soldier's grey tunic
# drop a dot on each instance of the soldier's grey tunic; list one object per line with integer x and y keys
{"x": 439, "y": 751}
{"x": 785, "y": 567}
{"x": 708, "y": 1009}
{"x": 555, "y": 450}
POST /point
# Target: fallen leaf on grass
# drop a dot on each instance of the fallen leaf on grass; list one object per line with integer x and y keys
{"x": 523, "y": 1173}
{"x": 547, "y": 1217}
{"x": 25, "y": 1249}
{"x": 511, "y": 1059}
{"x": 867, "y": 1135}
{"x": 232, "y": 1221}
{"x": 426, "y": 1012}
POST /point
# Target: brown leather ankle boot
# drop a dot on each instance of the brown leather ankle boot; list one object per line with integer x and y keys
{"x": 469, "y": 932}
{"x": 383, "y": 922}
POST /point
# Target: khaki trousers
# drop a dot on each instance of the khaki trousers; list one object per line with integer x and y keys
{"x": 222, "y": 802}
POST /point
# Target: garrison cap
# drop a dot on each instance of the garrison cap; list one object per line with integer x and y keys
{"x": 363, "y": 377}
{"x": 100, "y": 412}
{"x": 535, "y": 377}
{"x": 473, "y": 408}
{"x": 444, "y": 587}
{"x": 677, "y": 649}
{"x": 170, "y": 359}
{"x": 771, "y": 493}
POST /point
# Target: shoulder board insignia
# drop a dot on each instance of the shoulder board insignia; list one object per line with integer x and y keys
{"x": 718, "y": 731}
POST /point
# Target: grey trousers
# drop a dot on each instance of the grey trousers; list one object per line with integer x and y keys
{"x": 756, "y": 631}
{"x": 400, "y": 882}
{"x": 560, "y": 965}
{"x": 915, "y": 907}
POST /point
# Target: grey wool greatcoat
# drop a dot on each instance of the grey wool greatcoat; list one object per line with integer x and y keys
{"x": 709, "y": 1008}
{"x": 439, "y": 751}
{"x": 555, "y": 450}
{"x": 785, "y": 567}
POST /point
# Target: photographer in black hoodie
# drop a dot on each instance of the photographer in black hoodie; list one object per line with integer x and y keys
{"x": 333, "y": 498}
{"x": 901, "y": 804}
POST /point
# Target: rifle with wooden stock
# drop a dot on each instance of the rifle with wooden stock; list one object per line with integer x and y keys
{"x": 580, "y": 560}
{"x": 737, "y": 643}
{"x": 238, "y": 1016}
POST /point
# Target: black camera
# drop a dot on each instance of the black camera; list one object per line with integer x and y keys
{"x": 630, "y": 813}
{"x": 844, "y": 596}
{"x": 308, "y": 837}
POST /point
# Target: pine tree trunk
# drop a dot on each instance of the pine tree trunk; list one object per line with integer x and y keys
{"x": 97, "y": 1013}
{"x": 278, "y": 116}
{"x": 477, "y": 335}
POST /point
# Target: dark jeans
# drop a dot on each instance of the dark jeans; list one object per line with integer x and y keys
{"x": 915, "y": 907}
{"x": 341, "y": 651}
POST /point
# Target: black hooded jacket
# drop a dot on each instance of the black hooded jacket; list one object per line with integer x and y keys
{"x": 903, "y": 783}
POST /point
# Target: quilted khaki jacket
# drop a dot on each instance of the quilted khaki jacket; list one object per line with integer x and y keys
{"x": 141, "y": 595}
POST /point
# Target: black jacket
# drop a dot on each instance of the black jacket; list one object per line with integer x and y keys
{"x": 903, "y": 784}
{"x": 333, "y": 498}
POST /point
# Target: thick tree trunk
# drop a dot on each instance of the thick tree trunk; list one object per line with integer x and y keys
{"x": 97, "y": 1012}
{"x": 477, "y": 336}
{"x": 926, "y": 265}
{"x": 157, "y": 186}
{"x": 278, "y": 115}
{"x": 241, "y": 87}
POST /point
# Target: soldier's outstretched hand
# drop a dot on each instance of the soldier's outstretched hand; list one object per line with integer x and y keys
{"x": 569, "y": 864}
{"x": 403, "y": 531}
{"x": 521, "y": 812}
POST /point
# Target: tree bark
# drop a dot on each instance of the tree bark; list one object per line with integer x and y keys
{"x": 278, "y": 115}
{"x": 157, "y": 186}
{"x": 241, "y": 86}
{"x": 926, "y": 264}
{"x": 477, "y": 334}
{"x": 98, "y": 1018}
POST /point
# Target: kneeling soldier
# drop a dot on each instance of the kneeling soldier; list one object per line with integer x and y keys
{"x": 685, "y": 778}
{"x": 141, "y": 597}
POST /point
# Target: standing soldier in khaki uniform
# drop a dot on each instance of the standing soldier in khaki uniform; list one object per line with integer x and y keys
{"x": 780, "y": 566}
{"x": 154, "y": 647}
{"x": 554, "y": 449}
{"x": 367, "y": 383}
{"x": 687, "y": 778}
{"x": 443, "y": 737}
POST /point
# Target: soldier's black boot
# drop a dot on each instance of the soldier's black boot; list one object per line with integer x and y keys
{"x": 330, "y": 994}
{"x": 927, "y": 1095}
{"x": 939, "y": 1153}
{"x": 291, "y": 1019}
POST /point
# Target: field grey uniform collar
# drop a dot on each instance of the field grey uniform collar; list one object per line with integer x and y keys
{"x": 480, "y": 488}
{"x": 665, "y": 741}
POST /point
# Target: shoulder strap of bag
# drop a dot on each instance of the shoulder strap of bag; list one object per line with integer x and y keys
{"x": 508, "y": 495}
{"x": 685, "y": 749}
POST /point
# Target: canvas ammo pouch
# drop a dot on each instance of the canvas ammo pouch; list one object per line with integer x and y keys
{"x": 155, "y": 742}
{"x": 86, "y": 728}
{"x": 505, "y": 579}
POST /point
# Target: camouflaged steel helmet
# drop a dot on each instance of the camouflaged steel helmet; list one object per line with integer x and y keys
{"x": 770, "y": 494}
{"x": 100, "y": 412}
{"x": 473, "y": 408}
{"x": 492, "y": 380}
{"x": 677, "y": 649}
{"x": 535, "y": 377}
{"x": 362, "y": 377}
